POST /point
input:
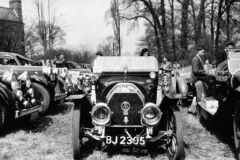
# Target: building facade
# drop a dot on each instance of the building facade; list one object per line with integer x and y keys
{"x": 12, "y": 28}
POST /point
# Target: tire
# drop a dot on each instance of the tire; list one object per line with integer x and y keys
{"x": 175, "y": 147}
{"x": 2, "y": 116}
{"x": 45, "y": 95}
{"x": 76, "y": 136}
{"x": 223, "y": 66}
{"x": 236, "y": 129}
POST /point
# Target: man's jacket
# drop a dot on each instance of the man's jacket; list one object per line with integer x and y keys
{"x": 198, "y": 72}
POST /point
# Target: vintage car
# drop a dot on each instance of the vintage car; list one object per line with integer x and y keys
{"x": 219, "y": 94}
{"x": 47, "y": 77}
{"x": 75, "y": 70}
{"x": 20, "y": 96}
{"x": 130, "y": 105}
{"x": 7, "y": 58}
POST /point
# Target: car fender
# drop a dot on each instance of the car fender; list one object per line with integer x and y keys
{"x": 182, "y": 86}
{"x": 41, "y": 80}
{"x": 201, "y": 90}
{"x": 7, "y": 98}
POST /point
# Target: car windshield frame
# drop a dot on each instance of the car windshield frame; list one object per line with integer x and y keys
{"x": 122, "y": 64}
{"x": 233, "y": 60}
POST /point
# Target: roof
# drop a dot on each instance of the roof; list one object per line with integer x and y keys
{"x": 15, "y": 54}
{"x": 122, "y": 63}
{"x": 8, "y": 14}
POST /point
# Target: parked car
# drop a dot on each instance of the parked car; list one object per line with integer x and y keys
{"x": 20, "y": 96}
{"x": 47, "y": 77}
{"x": 218, "y": 96}
{"x": 7, "y": 58}
{"x": 130, "y": 105}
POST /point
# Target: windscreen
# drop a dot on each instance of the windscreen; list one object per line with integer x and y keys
{"x": 233, "y": 60}
{"x": 129, "y": 64}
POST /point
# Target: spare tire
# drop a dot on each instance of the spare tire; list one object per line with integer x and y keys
{"x": 223, "y": 66}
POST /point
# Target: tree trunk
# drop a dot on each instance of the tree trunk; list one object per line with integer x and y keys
{"x": 219, "y": 18}
{"x": 184, "y": 29}
{"x": 200, "y": 22}
{"x": 194, "y": 22}
{"x": 171, "y": 2}
{"x": 164, "y": 30}
{"x": 228, "y": 22}
{"x": 212, "y": 24}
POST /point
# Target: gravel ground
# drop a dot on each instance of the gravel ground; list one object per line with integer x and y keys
{"x": 49, "y": 138}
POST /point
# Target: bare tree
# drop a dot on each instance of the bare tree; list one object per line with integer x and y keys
{"x": 171, "y": 3}
{"x": 184, "y": 28}
{"x": 153, "y": 13}
{"x": 115, "y": 15}
{"x": 47, "y": 24}
{"x": 106, "y": 46}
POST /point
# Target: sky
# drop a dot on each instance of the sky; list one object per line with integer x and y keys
{"x": 84, "y": 22}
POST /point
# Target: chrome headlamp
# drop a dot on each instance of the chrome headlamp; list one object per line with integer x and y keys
{"x": 86, "y": 86}
{"x": 165, "y": 87}
{"x": 30, "y": 92}
{"x": 52, "y": 77}
{"x": 19, "y": 95}
{"x": 152, "y": 75}
{"x": 15, "y": 85}
{"x": 151, "y": 114}
{"x": 9, "y": 76}
{"x": 101, "y": 114}
{"x": 25, "y": 77}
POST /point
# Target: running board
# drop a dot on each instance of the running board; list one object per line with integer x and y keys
{"x": 209, "y": 104}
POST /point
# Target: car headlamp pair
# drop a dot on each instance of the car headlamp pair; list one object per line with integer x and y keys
{"x": 151, "y": 114}
{"x": 101, "y": 114}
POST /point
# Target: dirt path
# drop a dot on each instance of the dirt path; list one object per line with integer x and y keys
{"x": 49, "y": 138}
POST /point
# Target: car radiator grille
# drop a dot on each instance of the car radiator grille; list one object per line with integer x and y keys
{"x": 133, "y": 116}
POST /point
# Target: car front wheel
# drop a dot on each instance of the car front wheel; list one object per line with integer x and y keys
{"x": 236, "y": 128}
{"x": 2, "y": 116}
{"x": 77, "y": 136}
{"x": 44, "y": 96}
{"x": 174, "y": 146}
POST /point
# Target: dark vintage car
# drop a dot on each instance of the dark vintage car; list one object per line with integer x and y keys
{"x": 130, "y": 105}
{"x": 219, "y": 94}
{"x": 20, "y": 96}
{"x": 48, "y": 77}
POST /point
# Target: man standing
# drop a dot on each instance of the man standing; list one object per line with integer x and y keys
{"x": 222, "y": 56}
{"x": 197, "y": 73}
{"x": 63, "y": 61}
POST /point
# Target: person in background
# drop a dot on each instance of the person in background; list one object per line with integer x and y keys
{"x": 197, "y": 73}
{"x": 222, "y": 56}
{"x": 63, "y": 61}
{"x": 54, "y": 61}
{"x": 99, "y": 54}
{"x": 145, "y": 52}
{"x": 166, "y": 65}
{"x": 176, "y": 68}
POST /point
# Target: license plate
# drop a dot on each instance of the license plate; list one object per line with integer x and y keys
{"x": 123, "y": 140}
